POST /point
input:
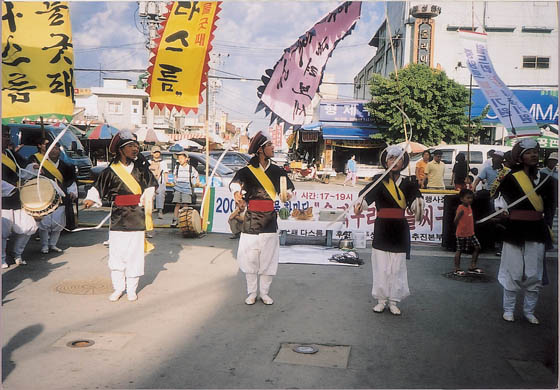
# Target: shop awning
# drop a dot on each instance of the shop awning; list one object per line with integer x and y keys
{"x": 349, "y": 133}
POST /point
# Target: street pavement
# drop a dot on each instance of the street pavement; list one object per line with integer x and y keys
{"x": 191, "y": 329}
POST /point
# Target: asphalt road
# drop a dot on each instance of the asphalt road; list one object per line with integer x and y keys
{"x": 191, "y": 329}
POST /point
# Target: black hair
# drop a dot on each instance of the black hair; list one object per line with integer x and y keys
{"x": 464, "y": 192}
{"x": 471, "y": 177}
{"x": 460, "y": 157}
{"x": 438, "y": 152}
{"x": 42, "y": 140}
{"x": 426, "y": 151}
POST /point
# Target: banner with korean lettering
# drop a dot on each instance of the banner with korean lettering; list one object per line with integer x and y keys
{"x": 179, "y": 65}
{"x": 513, "y": 115}
{"x": 37, "y": 61}
{"x": 291, "y": 85}
{"x": 429, "y": 230}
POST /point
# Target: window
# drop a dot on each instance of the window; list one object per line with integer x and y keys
{"x": 447, "y": 156}
{"x": 533, "y": 62}
{"x": 476, "y": 157}
{"x": 114, "y": 107}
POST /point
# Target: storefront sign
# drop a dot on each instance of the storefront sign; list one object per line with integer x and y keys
{"x": 291, "y": 85}
{"x": 542, "y": 104}
{"x": 344, "y": 111}
{"x": 366, "y": 144}
{"x": 37, "y": 61}
{"x": 544, "y": 142}
{"x": 309, "y": 136}
{"x": 179, "y": 65}
{"x": 512, "y": 114}
{"x": 429, "y": 230}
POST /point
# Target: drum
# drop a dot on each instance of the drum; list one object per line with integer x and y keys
{"x": 40, "y": 201}
{"x": 189, "y": 222}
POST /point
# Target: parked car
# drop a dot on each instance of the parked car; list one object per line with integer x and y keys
{"x": 233, "y": 160}
{"x": 449, "y": 152}
{"x": 72, "y": 151}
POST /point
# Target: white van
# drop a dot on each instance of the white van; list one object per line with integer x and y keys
{"x": 478, "y": 154}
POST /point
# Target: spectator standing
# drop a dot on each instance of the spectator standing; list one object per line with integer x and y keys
{"x": 490, "y": 173}
{"x": 466, "y": 239}
{"x": 460, "y": 172}
{"x": 551, "y": 165}
{"x": 158, "y": 166}
{"x": 186, "y": 178}
{"x": 421, "y": 168}
{"x": 435, "y": 170}
{"x": 351, "y": 170}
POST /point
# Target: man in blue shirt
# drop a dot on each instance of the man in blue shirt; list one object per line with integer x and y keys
{"x": 351, "y": 170}
{"x": 490, "y": 173}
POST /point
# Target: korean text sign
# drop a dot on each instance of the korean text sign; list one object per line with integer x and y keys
{"x": 179, "y": 69}
{"x": 513, "y": 115}
{"x": 292, "y": 84}
{"x": 37, "y": 61}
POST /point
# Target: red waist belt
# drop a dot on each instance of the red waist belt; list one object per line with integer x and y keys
{"x": 261, "y": 205}
{"x": 525, "y": 215}
{"x": 127, "y": 200}
{"x": 390, "y": 213}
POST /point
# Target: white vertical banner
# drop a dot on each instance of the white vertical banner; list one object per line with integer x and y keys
{"x": 510, "y": 111}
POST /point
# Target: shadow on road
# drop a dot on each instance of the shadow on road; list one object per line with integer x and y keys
{"x": 22, "y": 337}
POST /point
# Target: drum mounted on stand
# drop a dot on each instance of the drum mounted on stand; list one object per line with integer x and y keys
{"x": 39, "y": 197}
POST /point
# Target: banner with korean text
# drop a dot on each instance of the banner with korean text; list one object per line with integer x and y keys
{"x": 179, "y": 65}
{"x": 429, "y": 230}
{"x": 291, "y": 85}
{"x": 37, "y": 61}
{"x": 513, "y": 115}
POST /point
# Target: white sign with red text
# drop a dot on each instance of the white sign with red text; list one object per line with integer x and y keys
{"x": 429, "y": 230}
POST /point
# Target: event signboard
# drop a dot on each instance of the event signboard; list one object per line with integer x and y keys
{"x": 429, "y": 230}
{"x": 344, "y": 111}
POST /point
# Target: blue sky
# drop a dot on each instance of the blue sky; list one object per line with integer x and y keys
{"x": 249, "y": 39}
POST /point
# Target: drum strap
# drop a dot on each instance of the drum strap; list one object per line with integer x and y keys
{"x": 527, "y": 188}
{"x": 50, "y": 167}
{"x": 264, "y": 180}
{"x": 7, "y": 161}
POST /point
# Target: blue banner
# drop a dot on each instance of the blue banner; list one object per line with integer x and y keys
{"x": 343, "y": 111}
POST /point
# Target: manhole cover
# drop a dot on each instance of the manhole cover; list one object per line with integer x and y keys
{"x": 469, "y": 278}
{"x": 85, "y": 287}
{"x": 80, "y": 343}
{"x": 305, "y": 349}
{"x": 333, "y": 356}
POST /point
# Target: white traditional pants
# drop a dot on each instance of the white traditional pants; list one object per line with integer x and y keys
{"x": 521, "y": 269}
{"x": 126, "y": 255}
{"x": 19, "y": 225}
{"x": 390, "y": 280}
{"x": 50, "y": 227}
{"x": 258, "y": 254}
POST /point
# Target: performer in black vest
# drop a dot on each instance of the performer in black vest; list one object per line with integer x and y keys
{"x": 256, "y": 186}
{"x": 64, "y": 176}
{"x": 128, "y": 183}
{"x": 527, "y": 235}
{"x": 391, "y": 235}
{"x": 15, "y": 221}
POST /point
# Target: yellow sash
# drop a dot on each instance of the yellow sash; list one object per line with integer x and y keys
{"x": 133, "y": 186}
{"x": 264, "y": 180}
{"x": 527, "y": 187}
{"x": 393, "y": 191}
{"x": 50, "y": 167}
{"x": 7, "y": 161}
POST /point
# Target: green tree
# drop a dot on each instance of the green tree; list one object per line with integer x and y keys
{"x": 434, "y": 103}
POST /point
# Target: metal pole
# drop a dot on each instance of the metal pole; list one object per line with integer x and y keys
{"x": 207, "y": 171}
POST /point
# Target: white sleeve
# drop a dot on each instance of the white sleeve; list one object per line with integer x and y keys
{"x": 73, "y": 189}
{"x": 7, "y": 189}
{"x": 500, "y": 203}
{"x": 235, "y": 187}
{"x": 164, "y": 167}
{"x": 29, "y": 172}
{"x": 93, "y": 195}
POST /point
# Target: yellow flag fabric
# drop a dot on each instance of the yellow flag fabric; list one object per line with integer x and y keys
{"x": 7, "y": 161}
{"x": 264, "y": 180}
{"x": 393, "y": 191}
{"x": 37, "y": 61}
{"x": 133, "y": 186}
{"x": 179, "y": 70}
{"x": 529, "y": 190}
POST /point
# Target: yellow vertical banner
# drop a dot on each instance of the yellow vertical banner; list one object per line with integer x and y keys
{"x": 179, "y": 65}
{"x": 37, "y": 61}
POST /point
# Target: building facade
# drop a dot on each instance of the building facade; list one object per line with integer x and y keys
{"x": 522, "y": 41}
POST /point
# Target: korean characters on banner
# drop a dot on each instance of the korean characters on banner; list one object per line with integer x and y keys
{"x": 179, "y": 70}
{"x": 291, "y": 85}
{"x": 513, "y": 115}
{"x": 37, "y": 61}
{"x": 429, "y": 230}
